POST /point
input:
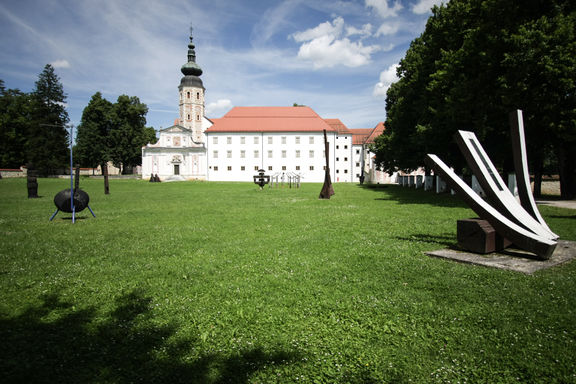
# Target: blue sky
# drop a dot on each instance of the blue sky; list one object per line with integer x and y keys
{"x": 337, "y": 57}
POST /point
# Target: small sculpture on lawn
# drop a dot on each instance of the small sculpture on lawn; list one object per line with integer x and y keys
{"x": 261, "y": 179}
{"x": 517, "y": 223}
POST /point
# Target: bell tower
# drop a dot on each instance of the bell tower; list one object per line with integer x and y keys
{"x": 191, "y": 92}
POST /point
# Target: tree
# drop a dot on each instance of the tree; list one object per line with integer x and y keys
{"x": 47, "y": 141}
{"x": 128, "y": 133}
{"x": 476, "y": 61}
{"x": 93, "y": 134}
{"x": 14, "y": 126}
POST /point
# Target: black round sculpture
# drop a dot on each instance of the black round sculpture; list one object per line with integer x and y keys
{"x": 62, "y": 200}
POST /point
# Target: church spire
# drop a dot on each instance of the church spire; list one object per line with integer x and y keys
{"x": 191, "y": 68}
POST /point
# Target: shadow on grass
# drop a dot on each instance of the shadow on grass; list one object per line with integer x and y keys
{"x": 406, "y": 195}
{"x": 448, "y": 241}
{"x": 563, "y": 217}
{"x": 54, "y": 343}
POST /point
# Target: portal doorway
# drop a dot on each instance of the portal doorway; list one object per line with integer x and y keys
{"x": 176, "y": 169}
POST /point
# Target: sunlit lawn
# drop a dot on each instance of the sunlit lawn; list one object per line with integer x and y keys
{"x": 220, "y": 282}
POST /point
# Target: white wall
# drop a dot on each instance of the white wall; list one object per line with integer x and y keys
{"x": 236, "y": 159}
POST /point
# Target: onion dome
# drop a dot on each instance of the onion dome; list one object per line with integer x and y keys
{"x": 191, "y": 70}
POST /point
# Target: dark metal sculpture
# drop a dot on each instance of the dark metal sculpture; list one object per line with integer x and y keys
{"x": 510, "y": 219}
{"x": 327, "y": 189}
{"x": 261, "y": 179}
{"x": 32, "y": 184}
{"x": 72, "y": 200}
{"x": 63, "y": 202}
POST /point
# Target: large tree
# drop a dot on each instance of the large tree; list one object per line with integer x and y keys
{"x": 128, "y": 132}
{"x": 14, "y": 126}
{"x": 47, "y": 142}
{"x": 476, "y": 61}
{"x": 93, "y": 135}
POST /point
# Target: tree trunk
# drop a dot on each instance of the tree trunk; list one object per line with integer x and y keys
{"x": 77, "y": 178}
{"x": 567, "y": 170}
{"x": 105, "y": 173}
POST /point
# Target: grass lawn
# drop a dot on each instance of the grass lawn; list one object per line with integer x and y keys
{"x": 220, "y": 282}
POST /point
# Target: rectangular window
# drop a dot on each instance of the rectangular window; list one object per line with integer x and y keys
{"x": 311, "y": 140}
{"x": 283, "y": 167}
{"x": 283, "y": 139}
{"x": 229, "y": 168}
{"x": 357, "y": 164}
{"x": 337, "y": 147}
{"x": 297, "y": 153}
{"x": 256, "y": 154}
{"x": 297, "y": 139}
{"x": 345, "y": 171}
{"x": 345, "y": 159}
{"x": 228, "y": 140}
{"x": 269, "y": 167}
{"x": 297, "y": 167}
{"x": 256, "y": 140}
{"x": 357, "y": 151}
{"x": 337, "y": 171}
{"x": 216, "y": 168}
{"x": 311, "y": 167}
{"x": 283, "y": 154}
{"x": 256, "y": 168}
{"x": 337, "y": 159}
{"x": 229, "y": 154}
{"x": 242, "y": 140}
{"x": 270, "y": 140}
{"x": 215, "y": 140}
{"x": 242, "y": 168}
{"x": 269, "y": 154}
{"x": 311, "y": 154}
{"x": 345, "y": 147}
{"x": 242, "y": 154}
{"x": 215, "y": 154}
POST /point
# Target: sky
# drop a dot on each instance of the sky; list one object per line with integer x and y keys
{"x": 336, "y": 56}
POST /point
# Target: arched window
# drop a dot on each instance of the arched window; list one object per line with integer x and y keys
{"x": 188, "y": 94}
{"x": 197, "y": 95}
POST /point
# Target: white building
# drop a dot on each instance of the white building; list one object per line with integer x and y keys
{"x": 281, "y": 140}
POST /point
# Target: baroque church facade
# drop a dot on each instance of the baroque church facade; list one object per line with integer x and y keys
{"x": 280, "y": 140}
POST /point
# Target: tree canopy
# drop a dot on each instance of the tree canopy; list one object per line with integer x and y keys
{"x": 477, "y": 61}
{"x": 113, "y": 132}
{"x": 92, "y": 138}
{"x": 33, "y": 128}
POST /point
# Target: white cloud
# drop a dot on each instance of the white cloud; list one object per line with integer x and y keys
{"x": 60, "y": 64}
{"x": 383, "y": 9}
{"x": 387, "y": 29}
{"x": 387, "y": 77}
{"x": 424, "y": 6}
{"x": 325, "y": 53}
{"x": 332, "y": 29}
{"x": 218, "y": 107}
{"x": 366, "y": 31}
{"x": 326, "y": 47}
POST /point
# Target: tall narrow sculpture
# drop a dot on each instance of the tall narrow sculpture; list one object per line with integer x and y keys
{"x": 327, "y": 189}
{"x": 524, "y": 227}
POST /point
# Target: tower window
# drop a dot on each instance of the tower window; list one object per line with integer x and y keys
{"x": 197, "y": 117}
{"x": 188, "y": 117}
{"x": 198, "y": 95}
{"x": 188, "y": 94}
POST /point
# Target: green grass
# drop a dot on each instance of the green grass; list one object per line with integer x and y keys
{"x": 219, "y": 282}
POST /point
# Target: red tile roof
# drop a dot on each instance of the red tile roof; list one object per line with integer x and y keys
{"x": 270, "y": 119}
{"x": 367, "y": 135}
{"x": 338, "y": 126}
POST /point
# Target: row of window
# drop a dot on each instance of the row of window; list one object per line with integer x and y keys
{"x": 256, "y": 140}
{"x": 297, "y": 154}
{"x": 271, "y": 168}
